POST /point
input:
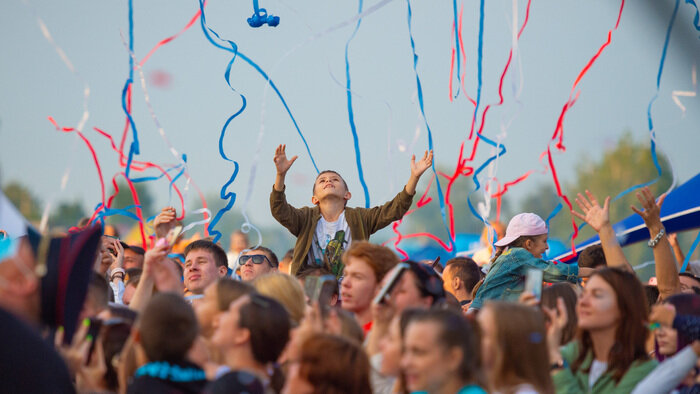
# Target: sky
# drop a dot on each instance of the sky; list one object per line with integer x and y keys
{"x": 306, "y": 61}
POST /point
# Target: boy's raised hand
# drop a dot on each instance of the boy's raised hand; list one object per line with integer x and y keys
{"x": 281, "y": 162}
{"x": 419, "y": 167}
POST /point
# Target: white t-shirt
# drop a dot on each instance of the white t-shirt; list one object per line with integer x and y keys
{"x": 328, "y": 232}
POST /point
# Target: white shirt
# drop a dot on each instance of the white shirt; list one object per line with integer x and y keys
{"x": 597, "y": 370}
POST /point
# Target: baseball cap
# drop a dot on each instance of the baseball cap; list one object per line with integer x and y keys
{"x": 523, "y": 224}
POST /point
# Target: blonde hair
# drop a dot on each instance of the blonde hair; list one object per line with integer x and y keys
{"x": 286, "y": 290}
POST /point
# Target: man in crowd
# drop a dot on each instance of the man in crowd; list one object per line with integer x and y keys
{"x": 365, "y": 267}
{"x": 459, "y": 277}
{"x": 205, "y": 262}
{"x": 256, "y": 262}
{"x": 239, "y": 242}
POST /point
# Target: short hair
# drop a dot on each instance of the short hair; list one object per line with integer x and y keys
{"x": 168, "y": 327}
{"x": 313, "y": 187}
{"x": 229, "y": 290}
{"x": 592, "y": 257}
{"x": 202, "y": 244}
{"x": 273, "y": 257}
{"x": 380, "y": 258}
{"x": 289, "y": 255}
{"x": 269, "y": 325}
{"x": 133, "y": 276}
{"x": 467, "y": 270}
{"x": 98, "y": 291}
{"x": 347, "y": 371}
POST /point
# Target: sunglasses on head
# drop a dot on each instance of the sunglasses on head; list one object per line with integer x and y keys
{"x": 256, "y": 258}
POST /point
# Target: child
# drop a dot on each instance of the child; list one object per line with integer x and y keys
{"x": 325, "y": 230}
{"x": 521, "y": 249}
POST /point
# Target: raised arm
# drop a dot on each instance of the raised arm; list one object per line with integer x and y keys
{"x": 599, "y": 219}
{"x": 417, "y": 169}
{"x": 282, "y": 165}
{"x": 677, "y": 251}
{"x": 666, "y": 268}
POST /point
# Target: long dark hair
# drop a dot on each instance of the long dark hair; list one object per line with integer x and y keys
{"x": 631, "y": 332}
{"x": 685, "y": 304}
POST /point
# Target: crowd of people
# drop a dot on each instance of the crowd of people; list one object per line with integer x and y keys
{"x": 84, "y": 311}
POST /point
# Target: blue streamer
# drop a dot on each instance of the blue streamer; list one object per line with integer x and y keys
{"x": 106, "y": 212}
{"x": 690, "y": 253}
{"x": 441, "y": 198}
{"x": 457, "y": 49}
{"x": 155, "y": 178}
{"x": 480, "y": 58}
{"x": 134, "y": 148}
{"x": 651, "y": 102}
{"x": 554, "y": 213}
{"x": 696, "y": 19}
{"x": 351, "y": 117}
{"x": 260, "y": 71}
{"x": 260, "y": 17}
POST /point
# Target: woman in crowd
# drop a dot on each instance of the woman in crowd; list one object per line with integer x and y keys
{"x": 252, "y": 334}
{"x": 609, "y": 353}
{"x": 284, "y": 289}
{"x": 565, "y": 291}
{"x": 514, "y": 349}
{"x": 329, "y": 364}
{"x": 441, "y": 354}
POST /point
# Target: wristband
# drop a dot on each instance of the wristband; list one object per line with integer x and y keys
{"x": 653, "y": 242}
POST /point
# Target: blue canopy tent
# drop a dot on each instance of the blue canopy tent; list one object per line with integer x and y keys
{"x": 680, "y": 212}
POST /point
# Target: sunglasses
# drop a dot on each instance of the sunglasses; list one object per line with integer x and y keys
{"x": 256, "y": 258}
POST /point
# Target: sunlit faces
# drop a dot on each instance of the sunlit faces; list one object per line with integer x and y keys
{"x": 359, "y": 285}
{"x": 407, "y": 295}
{"x": 538, "y": 246}
{"x": 390, "y": 347}
{"x": 207, "y": 309}
{"x": 250, "y": 270}
{"x": 200, "y": 270}
{"x": 597, "y": 308}
{"x": 426, "y": 363}
{"x": 227, "y": 330}
{"x": 329, "y": 184}
{"x": 487, "y": 323}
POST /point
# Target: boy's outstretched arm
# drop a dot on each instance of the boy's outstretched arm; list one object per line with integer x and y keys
{"x": 282, "y": 164}
{"x": 417, "y": 169}
{"x": 599, "y": 219}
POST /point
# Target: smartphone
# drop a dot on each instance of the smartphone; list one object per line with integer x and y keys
{"x": 437, "y": 267}
{"x": 392, "y": 279}
{"x": 325, "y": 288}
{"x": 533, "y": 282}
{"x": 310, "y": 284}
{"x": 175, "y": 232}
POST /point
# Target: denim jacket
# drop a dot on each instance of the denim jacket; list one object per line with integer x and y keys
{"x": 506, "y": 278}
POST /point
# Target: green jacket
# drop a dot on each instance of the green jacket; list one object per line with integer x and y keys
{"x": 566, "y": 381}
{"x": 363, "y": 222}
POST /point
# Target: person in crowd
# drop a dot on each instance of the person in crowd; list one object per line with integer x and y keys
{"x": 592, "y": 257}
{"x": 670, "y": 340}
{"x": 132, "y": 281}
{"x": 252, "y": 334}
{"x": 689, "y": 283}
{"x": 419, "y": 287}
{"x": 239, "y": 243}
{"x": 366, "y": 265}
{"x": 564, "y": 291}
{"x": 324, "y": 231}
{"x": 459, "y": 277}
{"x": 256, "y": 262}
{"x": 346, "y": 372}
{"x": 318, "y": 272}
{"x": 166, "y": 330}
{"x": 489, "y": 235}
{"x": 514, "y": 349}
{"x": 217, "y": 298}
{"x": 205, "y": 263}
{"x": 286, "y": 262}
{"x": 284, "y": 289}
{"x": 133, "y": 256}
{"x": 525, "y": 243}
{"x": 441, "y": 354}
{"x": 608, "y": 355}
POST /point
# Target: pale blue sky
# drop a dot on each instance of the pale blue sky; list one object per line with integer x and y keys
{"x": 560, "y": 38}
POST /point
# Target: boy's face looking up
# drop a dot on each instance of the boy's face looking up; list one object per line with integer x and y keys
{"x": 329, "y": 184}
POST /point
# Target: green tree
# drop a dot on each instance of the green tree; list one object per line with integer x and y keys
{"x": 27, "y": 204}
{"x": 67, "y": 214}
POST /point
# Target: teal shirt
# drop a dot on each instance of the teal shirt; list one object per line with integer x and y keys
{"x": 470, "y": 389}
{"x": 506, "y": 278}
